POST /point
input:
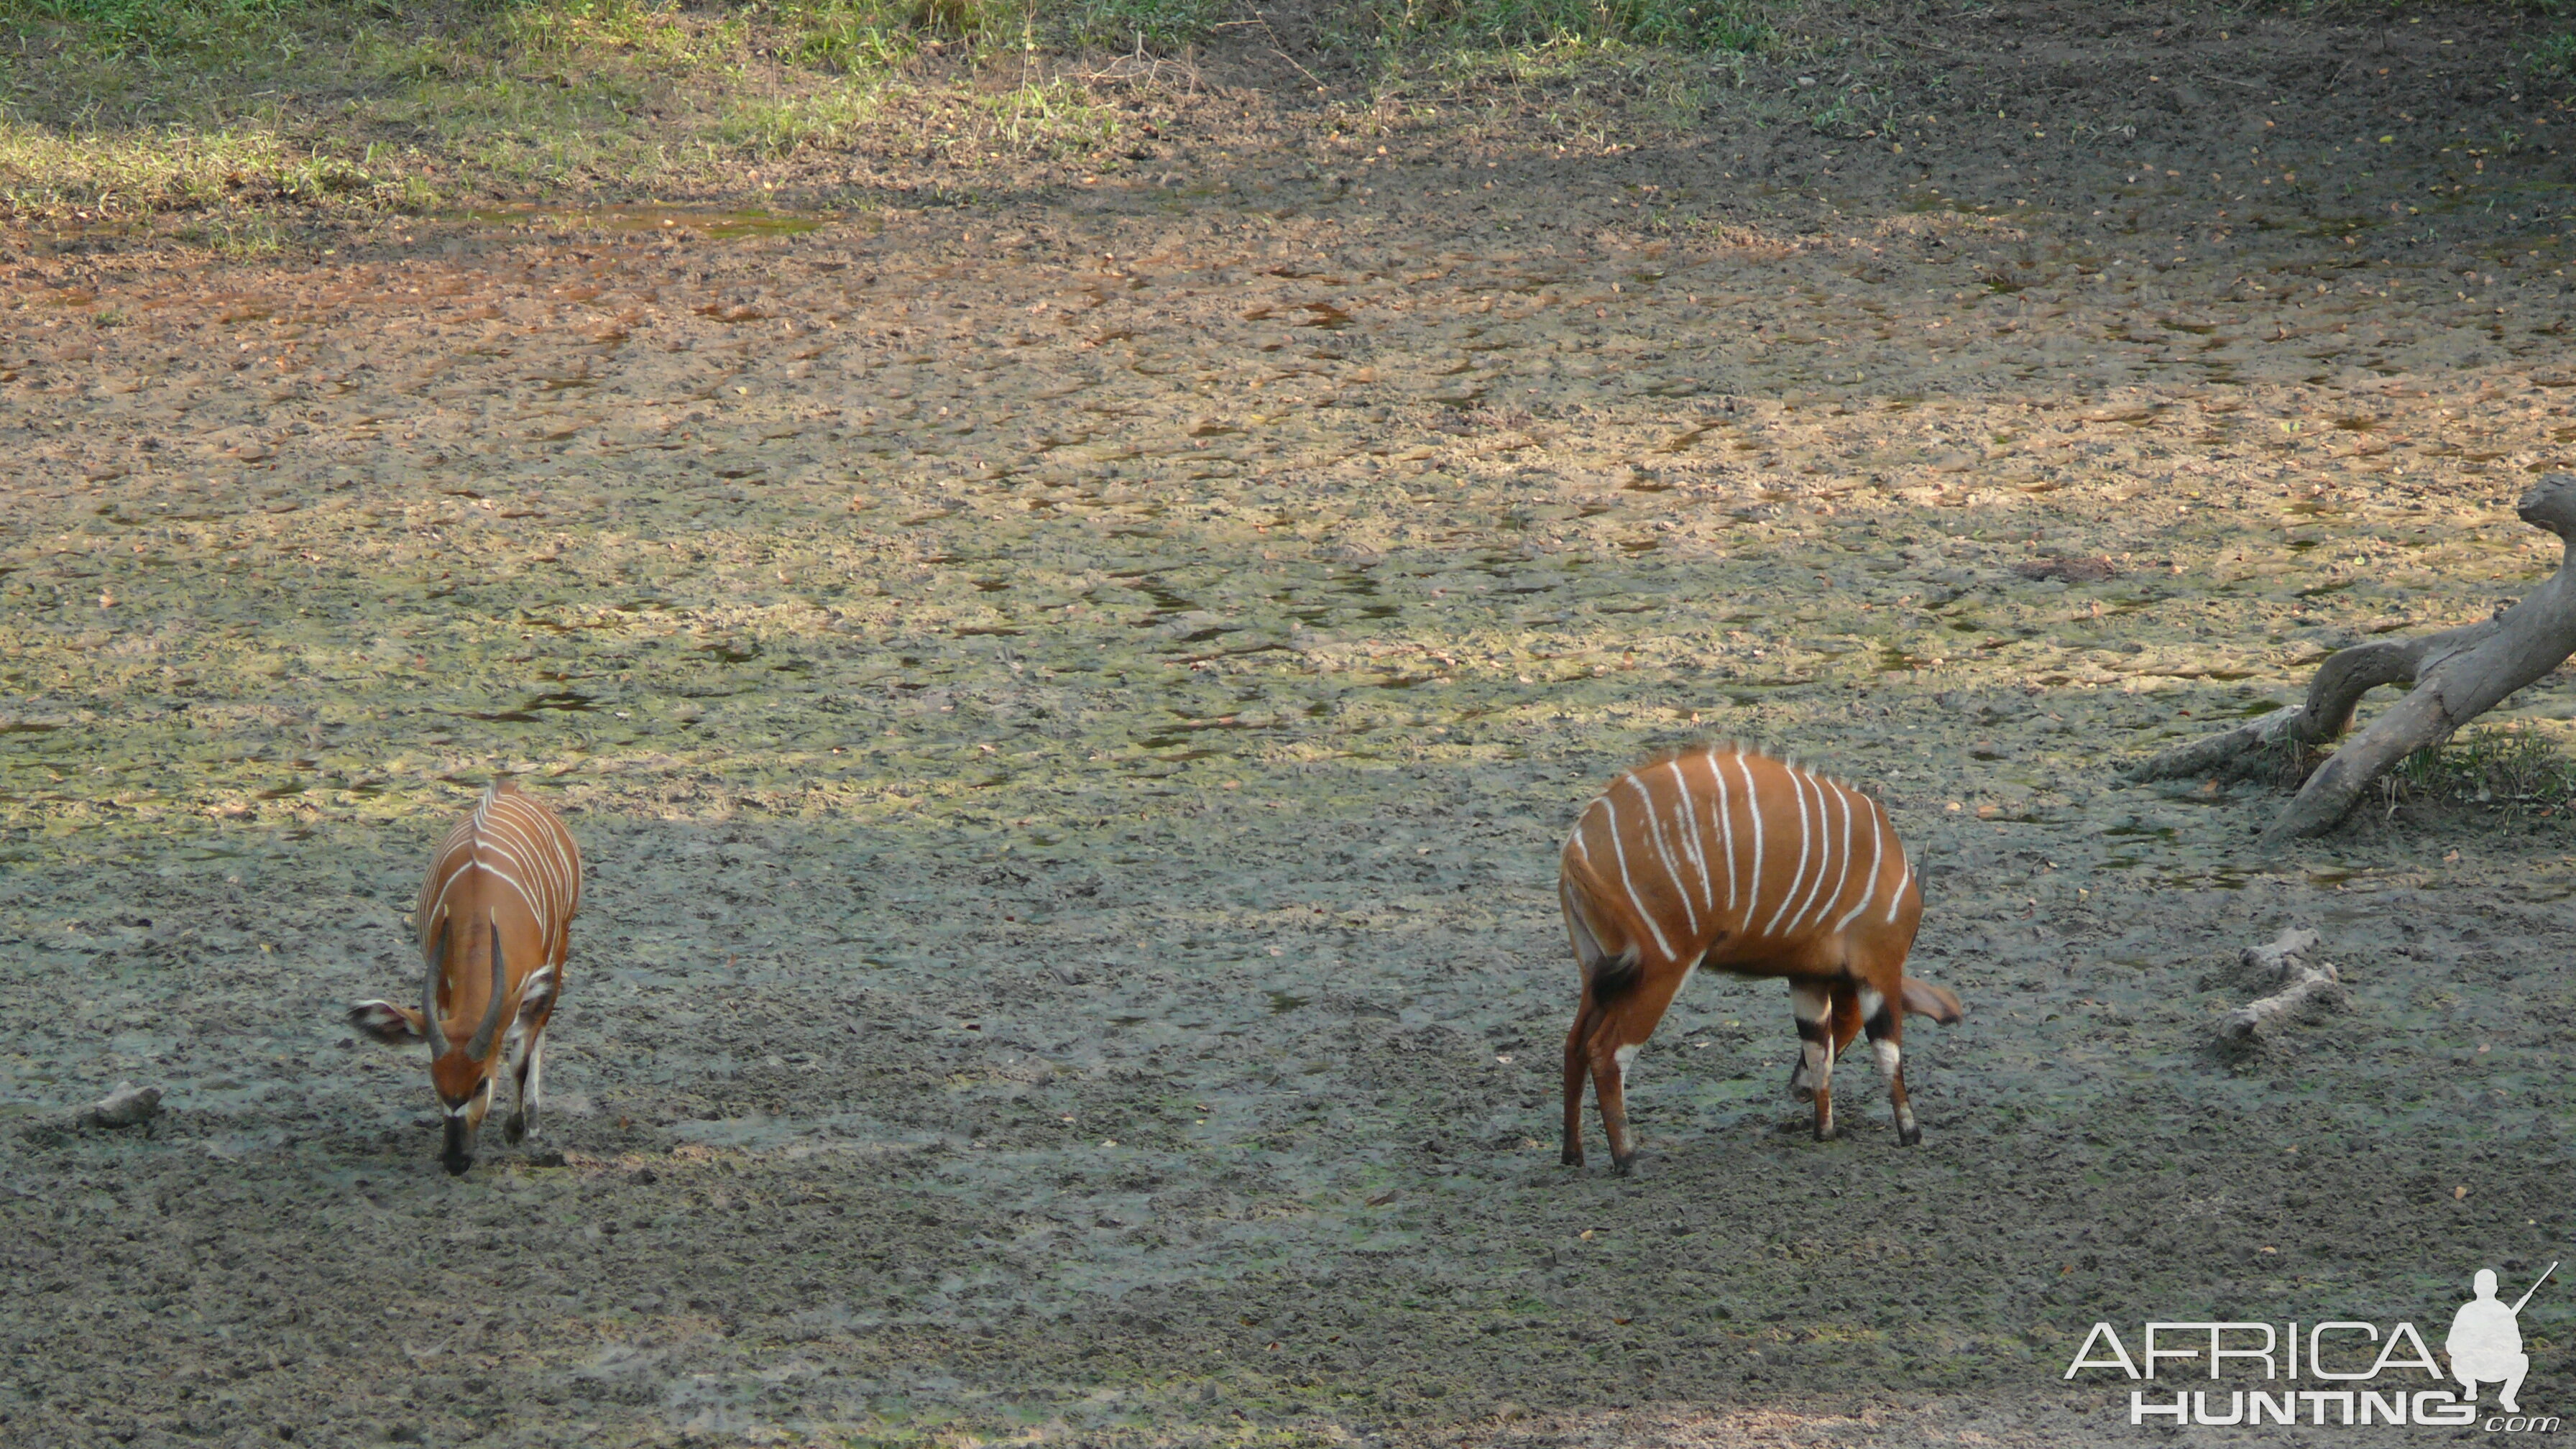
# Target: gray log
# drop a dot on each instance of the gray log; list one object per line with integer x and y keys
{"x": 2279, "y": 959}
{"x": 2458, "y": 675}
{"x": 2286, "y": 959}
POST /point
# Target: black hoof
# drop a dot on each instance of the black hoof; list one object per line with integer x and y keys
{"x": 515, "y": 1128}
{"x": 1627, "y": 1165}
{"x": 456, "y": 1165}
{"x": 1908, "y": 1136}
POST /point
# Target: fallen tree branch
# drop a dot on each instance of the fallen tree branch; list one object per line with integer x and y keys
{"x": 2285, "y": 960}
{"x": 2457, "y": 675}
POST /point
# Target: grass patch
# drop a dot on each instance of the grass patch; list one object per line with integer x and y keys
{"x": 118, "y": 111}
{"x": 2514, "y": 765}
{"x": 242, "y": 239}
{"x": 1598, "y": 75}
{"x": 1159, "y": 26}
{"x": 1732, "y": 26}
{"x": 1053, "y": 117}
{"x": 127, "y": 112}
{"x": 783, "y": 126}
{"x": 2555, "y": 58}
{"x": 147, "y": 29}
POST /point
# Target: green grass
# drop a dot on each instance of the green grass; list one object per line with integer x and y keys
{"x": 1734, "y": 26}
{"x": 786, "y": 125}
{"x": 1597, "y": 73}
{"x": 1150, "y": 25}
{"x": 2555, "y": 58}
{"x": 246, "y": 239}
{"x": 660, "y": 35}
{"x": 137, "y": 114}
{"x": 127, "y": 113}
{"x": 1055, "y": 118}
{"x": 2513, "y": 766}
{"x": 152, "y": 28}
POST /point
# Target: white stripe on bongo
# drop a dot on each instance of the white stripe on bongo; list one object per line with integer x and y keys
{"x": 1723, "y": 812}
{"x": 1824, "y": 857}
{"x": 1655, "y": 838}
{"x": 1724, "y": 831}
{"x": 1843, "y": 877}
{"x": 1574, "y": 837}
{"x": 1620, "y": 849}
{"x": 1688, "y": 815}
{"x": 1869, "y": 892}
{"x": 1902, "y": 880}
{"x": 520, "y": 844}
{"x": 1752, "y": 807}
{"x": 504, "y": 877}
{"x": 1668, "y": 845}
{"x": 1803, "y": 842}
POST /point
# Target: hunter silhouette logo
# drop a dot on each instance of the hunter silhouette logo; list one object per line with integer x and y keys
{"x": 2361, "y": 1374}
{"x": 2486, "y": 1341}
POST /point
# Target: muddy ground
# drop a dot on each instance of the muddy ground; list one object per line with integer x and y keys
{"x": 1070, "y": 698}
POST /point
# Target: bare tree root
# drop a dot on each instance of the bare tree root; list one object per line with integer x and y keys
{"x": 2306, "y": 985}
{"x": 2457, "y": 675}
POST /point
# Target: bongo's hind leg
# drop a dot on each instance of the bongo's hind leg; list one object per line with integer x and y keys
{"x": 1608, "y": 1039}
{"x": 1887, "y": 1043}
{"x": 1576, "y": 1060}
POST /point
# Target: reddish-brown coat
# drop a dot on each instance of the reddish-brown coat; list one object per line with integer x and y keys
{"x": 495, "y": 914}
{"x": 1726, "y": 858}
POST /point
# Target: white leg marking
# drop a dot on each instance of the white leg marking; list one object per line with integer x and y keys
{"x": 536, "y": 991}
{"x": 1814, "y": 1005}
{"x": 532, "y": 1089}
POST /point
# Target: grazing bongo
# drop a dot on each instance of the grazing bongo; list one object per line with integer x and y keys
{"x": 495, "y": 924}
{"x": 1725, "y": 858}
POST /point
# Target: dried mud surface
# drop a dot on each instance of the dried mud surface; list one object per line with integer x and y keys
{"x": 1070, "y": 700}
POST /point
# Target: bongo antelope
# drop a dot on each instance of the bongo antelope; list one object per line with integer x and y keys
{"x": 1725, "y": 858}
{"x": 495, "y": 922}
